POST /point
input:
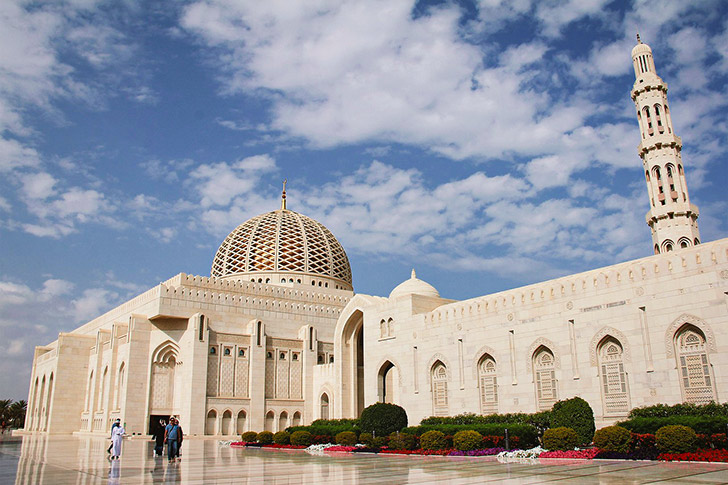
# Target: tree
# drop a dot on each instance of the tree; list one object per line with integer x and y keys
{"x": 16, "y": 414}
{"x": 4, "y": 409}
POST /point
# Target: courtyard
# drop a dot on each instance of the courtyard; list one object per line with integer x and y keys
{"x": 83, "y": 460}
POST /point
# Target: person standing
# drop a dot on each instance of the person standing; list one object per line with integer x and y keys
{"x": 111, "y": 445}
{"x": 170, "y": 437}
{"x": 180, "y": 437}
{"x": 159, "y": 438}
{"x": 117, "y": 434}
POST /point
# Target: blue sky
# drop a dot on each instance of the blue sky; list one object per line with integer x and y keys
{"x": 488, "y": 144}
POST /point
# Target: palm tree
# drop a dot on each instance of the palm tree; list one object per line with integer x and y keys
{"x": 16, "y": 413}
{"x": 4, "y": 406}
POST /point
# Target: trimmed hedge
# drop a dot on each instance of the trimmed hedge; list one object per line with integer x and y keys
{"x": 346, "y": 438}
{"x": 676, "y": 439}
{"x": 324, "y": 430}
{"x": 613, "y": 438}
{"x": 351, "y": 423}
{"x": 683, "y": 409}
{"x": 433, "y": 440}
{"x": 540, "y": 421}
{"x": 264, "y": 437}
{"x": 467, "y": 440}
{"x": 383, "y": 418}
{"x": 282, "y": 438}
{"x": 402, "y": 441}
{"x": 700, "y": 424}
{"x": 301, "y": 438}
{"x": 574, "y": 413}
{"x": 561, "y": 438}
{"x": 249, "y": 436}
{"x": 527, "y": 435}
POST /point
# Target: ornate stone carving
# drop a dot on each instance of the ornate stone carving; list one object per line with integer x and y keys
{"x": 569, "y": 305}
{"x": 599, "y": 336}
{"x": 692, "y": 320}
{"x": 535, "y": 345}
{"x": 444, "y": 360}
{"x": 480, "y": 353}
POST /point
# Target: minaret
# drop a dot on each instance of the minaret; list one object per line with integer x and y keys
{"x": 673, "y": 220}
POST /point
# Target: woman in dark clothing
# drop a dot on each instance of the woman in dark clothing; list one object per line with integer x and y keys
{"x": 159, "y": 439}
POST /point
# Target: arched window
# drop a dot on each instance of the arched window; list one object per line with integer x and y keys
{"x": 694, "y": 365}
{"x": 386, "y": 380}
{"x": 296, "y": 419}
{"x": 283, "y": 421}
{"x": 210, "y": 422}
{"x": 324, "y": 406}
{"x": 614, "y": 380}
{"x": 648, "y": 118}
{"x": 269, "y": 421}
{"x": 120, "y": 386}
{"x": 544, "y": 370}
{"x": 438, "y": 375}
{"x": 104, "y": 392}
{"x": 227, "y": 419}
{"x": 488, "y": 385}
{"x": 667, "y": 246}
{"x": 89, "y": 391}
{"x": 658, "y": 117}
{"x": 382, "y": 329}
{"x": 390, "y": 327}
{"x": 240, "y": 422}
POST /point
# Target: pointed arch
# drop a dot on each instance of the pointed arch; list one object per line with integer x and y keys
{"x": 283, "y": 421}
{"x": 164, "y": 362}
{"x": 693, "y": 320}
{"x": 211, "y": 422}
{"x": 614, "y": 385}
{"x": 296, "y": 419}
{"x": 544, "y": 372}
{"x": 693, "y": 364}
{"x": 240, "y": 421}
{"x": 599, "y": 336}
{"x": 542, "y": 342}
{"x": 388, "y": 381}
{"x": 439, "y": 377}
{"x": 488, "y": 384}
{"x": 269, "y": 421}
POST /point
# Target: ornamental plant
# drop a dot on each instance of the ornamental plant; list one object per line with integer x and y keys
{"x": 467, "y": 440}
{"x": 264, "y": 437}
{"x": 366, "y": 439}
{"x": 402, "y": 441}
{"x": 676, "y": 439}
{"x": 249, "y": 436}
{"x": 383, "y": 418}
{"x": 433, "y": 440}
{"x": 346, "y": 438}
{"x": 561, "y": 438}
{"x": 577, "y": 415}
{"x": 301, "y": 438}
{"x": 282, "y": 438}
{"x": 613, "y": 438}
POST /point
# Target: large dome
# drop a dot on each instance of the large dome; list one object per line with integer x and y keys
{"x": 283, "y": 247}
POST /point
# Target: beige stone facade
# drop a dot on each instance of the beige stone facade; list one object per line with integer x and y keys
{"x": 276, "y": 336}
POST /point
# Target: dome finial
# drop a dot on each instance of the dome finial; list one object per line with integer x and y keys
{"x": 414, "y": 275}
{"x": 639, "y": 41}
{"x": 283, "y": 195}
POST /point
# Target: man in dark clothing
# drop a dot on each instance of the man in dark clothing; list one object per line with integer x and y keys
{"x": 159, "y": 438}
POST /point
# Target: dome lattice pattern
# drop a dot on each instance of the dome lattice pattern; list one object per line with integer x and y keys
{"x": 282, "y": 241}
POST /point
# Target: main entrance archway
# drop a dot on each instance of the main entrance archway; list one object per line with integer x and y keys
{"x": 352, "y": 366}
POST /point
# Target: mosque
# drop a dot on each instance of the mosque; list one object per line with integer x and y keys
{"x": 276, "y": 336}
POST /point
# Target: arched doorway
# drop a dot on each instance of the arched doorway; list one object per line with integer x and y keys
{"x": 386, "y": 383}
{"x": 241, "y": 422}
{"x": 269, "y": 421}
{"x": 164, "y": 363}
{"x": 227, "y": 419}
{"x": 324, "y": 406}
{"x": 352, "y": 366}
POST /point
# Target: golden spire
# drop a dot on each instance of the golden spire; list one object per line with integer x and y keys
{"x": 639, "y": 41}
{"x": 283, "y": 196}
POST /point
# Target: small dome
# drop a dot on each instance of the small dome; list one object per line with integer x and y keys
{"x": 414, "y": 286}
{"x": 641, "y": 49}
{"x": 279, "y": 243}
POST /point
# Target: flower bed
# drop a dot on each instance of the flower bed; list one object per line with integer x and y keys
{"x": 700, "y": 455}
{"x": 417, "y": 452}
{"x": 483, "y": 452}
{"x": 244, "y": 444}
{"x": 519, "y": 454}
{"x": 587, "y": 454}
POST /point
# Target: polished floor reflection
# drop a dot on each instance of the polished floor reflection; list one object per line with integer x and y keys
{"x": 80, "y": 461}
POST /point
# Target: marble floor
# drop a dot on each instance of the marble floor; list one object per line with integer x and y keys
{"x": 75, "y": 460}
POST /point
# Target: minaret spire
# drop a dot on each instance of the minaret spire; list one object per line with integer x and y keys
{"x": 673, "y": 220}
{"x": 283, "y": 196}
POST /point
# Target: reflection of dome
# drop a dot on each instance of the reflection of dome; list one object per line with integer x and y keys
{"x": 283, "y": 246}
{"x": 414, "y": 286}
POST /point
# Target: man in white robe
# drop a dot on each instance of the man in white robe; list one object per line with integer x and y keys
{"x": 117, "y": 433}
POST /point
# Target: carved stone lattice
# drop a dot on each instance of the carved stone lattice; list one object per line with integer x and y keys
{"x": 226, "y": 376}
{"x": 599, "y": 336}
{"x": 296, "y": 376}
{"x": 241, "y": 377}
{"x": 541, "y": 341}
{"x": 212, "y": 371}
{"x": 270, "y": 378}
{"x": 282, "y": 378}
{"x": 692, "y": 320}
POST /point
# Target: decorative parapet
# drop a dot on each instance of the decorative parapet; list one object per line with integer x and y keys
{"x": 622, "y": 276}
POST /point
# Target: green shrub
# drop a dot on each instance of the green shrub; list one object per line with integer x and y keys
{"x": 527, "y": 434}
{"x": 366, "y": 439}
{"x": 683, "y": 409}
{"x": 577, "y": 415}
{"x": 676, "y": 439}
{"x": 383, "y": 418}
{"x": 561, "y": 438}
{"x": 346, "y": 438}
{"x": 379, "y": 441}
{"x": 301, "y": 438}
{"x": 540, "y": 420}
{"x": 700, "y": 424}
{"x": 613, "y": 438}
{"x": 249, "y": 436}
{"x": 282, "y": 438}
{"x": 402, "y": 441}
{"x": 325, "y": 430}
{"x": 350, "y": 423}
{"x": 264, "y": 437}
{"x": 467, "y": 440}
{"x": 433, "y": 440}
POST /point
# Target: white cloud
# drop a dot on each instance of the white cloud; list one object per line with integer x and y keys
{"x": 38, "y": 185}
{"x": 93, "y": 303}
{"x": 219, "y": 183}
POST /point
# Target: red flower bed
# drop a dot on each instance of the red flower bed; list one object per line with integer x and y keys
{"x": 340, "y": 448}
{"x": 580, "y": 454}
{"x": 417, "y": 452}
{"x": 700, "y": 455}
{"x": 253, "y": 444}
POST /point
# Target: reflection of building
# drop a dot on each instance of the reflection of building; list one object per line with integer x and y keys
{"x": 276, "y": 337}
